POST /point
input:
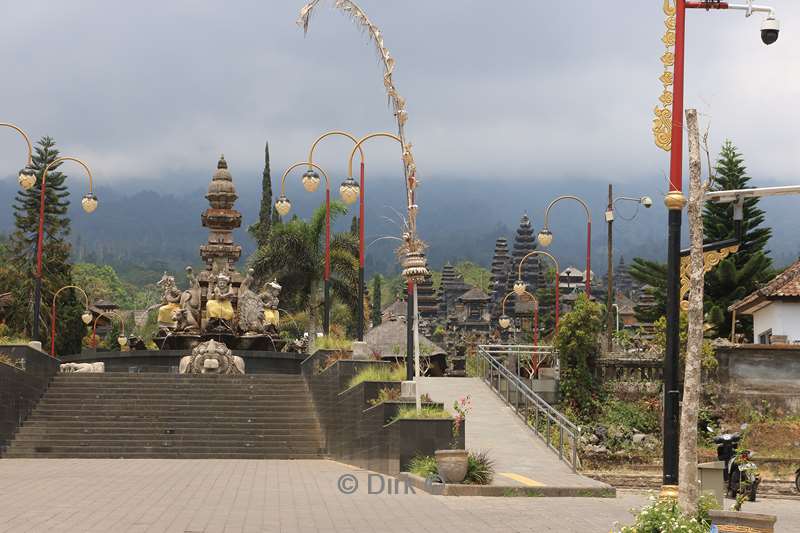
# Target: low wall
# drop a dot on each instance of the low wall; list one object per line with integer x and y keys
{"x": 255, "y": 362}
{"x": 759, "y": 372}
{"x": 20, "y": 390}
{"x": 362, "y": 434}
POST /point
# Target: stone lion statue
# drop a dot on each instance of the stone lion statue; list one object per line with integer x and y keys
{"x": 211, "y": 357}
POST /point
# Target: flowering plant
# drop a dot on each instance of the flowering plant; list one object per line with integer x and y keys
{"x": 462, "y": 407}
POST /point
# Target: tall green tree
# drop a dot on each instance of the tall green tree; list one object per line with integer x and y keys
{"x": 742, "y": 272}
{"x": 266, "y": 215}
{"x": 56, "y": 252}
{"x": 578, "y": 348}
{"x": 377, "y": 317}
{"x": 295, "y": 255}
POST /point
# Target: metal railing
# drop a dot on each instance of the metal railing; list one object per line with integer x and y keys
{"x": 558, "y": 432}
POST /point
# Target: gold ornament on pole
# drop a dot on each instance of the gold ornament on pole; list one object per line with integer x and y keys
{"x": 662, "y": 124}
{"x": 711, "y": 259}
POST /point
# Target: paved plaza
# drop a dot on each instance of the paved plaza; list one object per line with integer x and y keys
{"x": 152, "y": 495}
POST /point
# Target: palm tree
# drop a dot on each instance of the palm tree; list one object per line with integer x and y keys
{"x": 295, "y": 255}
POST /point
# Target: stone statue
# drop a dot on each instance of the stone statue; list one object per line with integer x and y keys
{"x": 218, "y": 303}
{"x": 211, "y": 357}
{"x": 257, "y": 313}
{"x": 170, "y": 301}
{"x": 180, "y": 310}
{"x": 270, "y": 298}
{"x": 84, "y": 368}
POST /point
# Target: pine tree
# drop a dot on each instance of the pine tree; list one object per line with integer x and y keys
{"x": 376, "y": 301}
{"x": 56, "y": 271}
{"x": 354, "y": 226}
{"x": 742, "y": 272}
{"x": 266, "y": 215}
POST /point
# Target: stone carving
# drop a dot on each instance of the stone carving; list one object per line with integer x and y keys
{"x": 218, "y": 304}
{"x": 85, "y": 368}
{"x": 180, "y": 311}
{"x": 211, "y": 357}
{"x": 257, "y": 313}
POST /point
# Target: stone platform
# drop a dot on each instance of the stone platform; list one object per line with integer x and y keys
{"x": 256, "y": 362}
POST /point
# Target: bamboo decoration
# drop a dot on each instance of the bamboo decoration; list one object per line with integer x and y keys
{"x": 662, "y": 124}
{"x": 411, "y": 244}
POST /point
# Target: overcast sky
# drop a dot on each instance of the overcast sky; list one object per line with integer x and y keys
{"x": 514, "y": 89}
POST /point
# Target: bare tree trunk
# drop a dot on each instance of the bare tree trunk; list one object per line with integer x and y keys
{"x": 688, "y": 490}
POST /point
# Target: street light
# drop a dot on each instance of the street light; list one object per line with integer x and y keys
{"x": 283, "y": 206}
{"x": 612, "y": 202}
{"x": 668, "y": 132}
{"x": 122, "y": 339}
{"x": 414, "y": 263}
{"x": 350, "y": 191}
{"x": 521, "y": 288}
{"x": 89, "y": 204}
{"x": 546, "y": 236}
{"x": 86, "y": 316}
{"x": 26, "y": 177}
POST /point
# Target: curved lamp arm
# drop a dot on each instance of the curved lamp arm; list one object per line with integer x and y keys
{"x": 362, "y": 141}
{"x": 24, "y": 136}
{"x": 329, "y": 134}
{"x": 300, "y": 164}
{"x": 74, "y": 159}
{"x": 519, "y": 283}
{"x": 108, "y": 314}
{"x": 565, "y": 197}
{"x": 537, "y": 252}
{"x": 503, "y": 307}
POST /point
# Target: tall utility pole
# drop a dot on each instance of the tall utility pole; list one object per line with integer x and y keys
{"x": 610, "y": 296}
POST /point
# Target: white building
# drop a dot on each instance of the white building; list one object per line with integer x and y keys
{"x": 775, "y": 309}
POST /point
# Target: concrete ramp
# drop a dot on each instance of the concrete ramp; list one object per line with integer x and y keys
{"x": 521, "y": 458}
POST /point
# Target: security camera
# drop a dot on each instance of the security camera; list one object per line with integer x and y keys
{"x": 769, "y": 30}
{"x": 647, "y": 201}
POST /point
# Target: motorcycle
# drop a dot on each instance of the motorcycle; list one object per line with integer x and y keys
{"x": 797, "y": 480}
{"x": 740, "y": 473}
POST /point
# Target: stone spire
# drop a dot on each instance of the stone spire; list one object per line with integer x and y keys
{"x": 220, "y": 253}
{"x": 501, "y": 270}
{"x": 427, "y": 302}
{"x": 525, "y": 242}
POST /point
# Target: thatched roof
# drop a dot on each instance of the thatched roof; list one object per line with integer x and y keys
{"x": 389, "y": 338}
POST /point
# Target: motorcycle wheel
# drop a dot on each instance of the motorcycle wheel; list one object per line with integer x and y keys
{"x": 797, "y": 482}
{"x": 733, "y": 484}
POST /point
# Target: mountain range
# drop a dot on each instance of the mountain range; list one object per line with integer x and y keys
{"x": 150, "y": 226}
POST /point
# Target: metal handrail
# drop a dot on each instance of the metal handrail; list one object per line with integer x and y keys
{"x": 528, "y": 405}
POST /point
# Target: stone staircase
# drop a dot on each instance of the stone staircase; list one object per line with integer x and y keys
{"x": 116, "y": 415}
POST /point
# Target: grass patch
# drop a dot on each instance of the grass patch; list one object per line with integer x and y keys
{"x": 378, "y": 373}
{"x": 426, "y": 412}
{"x": 331, "y": 342}
{"x": 386, "y": 394}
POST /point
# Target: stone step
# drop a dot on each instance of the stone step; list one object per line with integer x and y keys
{"x": 199, "y": 422}
{"x": 188, "y": 443}
{"x": 28, "y": 433}
{"x": 177, "y": 378}
{"x": 163, "y": 454}
{"x": 182, "y": 389}
{"x": 203, "y": 404}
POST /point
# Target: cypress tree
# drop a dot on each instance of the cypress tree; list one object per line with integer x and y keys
{"x": 354, "y": 226}
{"x": 266, "y": 215}
{"x": 376, "y": 300}
{"x": 56, "y": 271}
{"x": 742, "y": 272}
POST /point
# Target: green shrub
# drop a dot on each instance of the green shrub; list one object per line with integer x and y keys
{"x": 426, "y": 411}
{"x": 480, "y": 469}
{"x": 630, "y": 415}
{"x": 378, "y": 373}
{"x": 665, "y": 516}
{"x": 423, "y": 466}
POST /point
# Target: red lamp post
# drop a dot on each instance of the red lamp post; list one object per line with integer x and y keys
{"x": 505, "y": 321}
{"x": 545, "y": 236}
{"x": 668, "y": 131}
{"x": 282, "y": 205}
{"x": 348, "y": 193}
{"x": 89, "y": 204}
{"x": 520, "y": 287}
